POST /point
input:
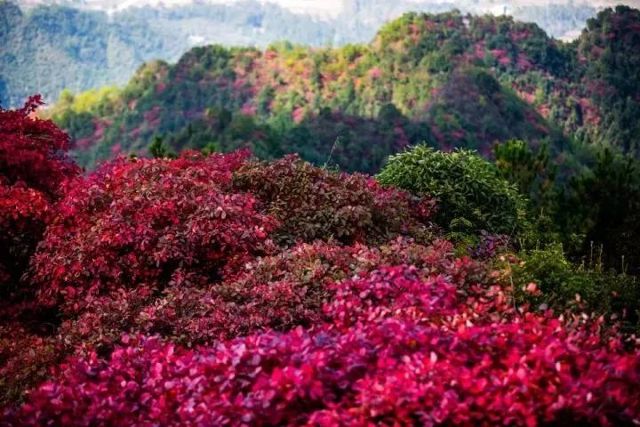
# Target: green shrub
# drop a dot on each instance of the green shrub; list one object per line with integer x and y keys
{"x": 563, "y": 286}
{"x": 159, "y": 150}
{"x": 471, "y": 195}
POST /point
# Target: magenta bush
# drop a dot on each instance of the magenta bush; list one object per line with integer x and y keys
{"x": 396, "y": 347}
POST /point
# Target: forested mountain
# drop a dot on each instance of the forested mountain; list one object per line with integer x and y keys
{"x": 55, "y": 47}
{"x": 86, "y": 44}
{"x": 450, "y": 79}
{"x": 49, "y": 48}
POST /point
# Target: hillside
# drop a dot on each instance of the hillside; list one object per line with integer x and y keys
{"x": 49, "y": 48}
{"x": 54, "y": 47}
{"x": 218, "y": 290}
{"x": 448, "y": 79}
{"x": 79, "y": 45}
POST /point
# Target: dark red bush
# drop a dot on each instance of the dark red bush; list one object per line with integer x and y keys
{"x": 33, "y": 151}
{"x": 313, "y": 203}
{"x": 24, "y": 213}
{"x": 34, "y": 170}
{"x": 145, "y": 225}
{"x": 34, "y": 173}
{"x": 277, "y": 292}
{"x": 26, "y": 359}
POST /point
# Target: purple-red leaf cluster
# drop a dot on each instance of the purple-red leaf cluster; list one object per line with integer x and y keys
{"x": 395, "y": 347}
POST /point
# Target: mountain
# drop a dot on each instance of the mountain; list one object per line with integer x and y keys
{"x": 82, "y": 44}
{"x": 57, "y": 47}
{"x": 48, "y": 49}
{"x": 450, "y": 79}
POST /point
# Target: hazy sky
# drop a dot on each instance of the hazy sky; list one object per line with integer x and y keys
{"x": 334, "y": 6}
{"x": 331, "y": 7}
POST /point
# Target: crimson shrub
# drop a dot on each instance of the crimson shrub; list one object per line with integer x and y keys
{"x": 34, "y": 170}
{"x": 33, "y": 151}
{"x": 396, "y": 348}
{"x": 25, "y": 359}
{"x": 314, "y": 203}
{"x": 144, "y": 225}
{"x": 279, "y": 292}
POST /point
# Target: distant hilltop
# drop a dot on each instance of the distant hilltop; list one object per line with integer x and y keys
{"x": 50, "y": 45}
{"x": 457, "y": 81}
{"x": 334, "y": 8}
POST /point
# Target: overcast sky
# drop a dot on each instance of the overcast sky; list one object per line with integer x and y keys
{"x": 327, "y": 7}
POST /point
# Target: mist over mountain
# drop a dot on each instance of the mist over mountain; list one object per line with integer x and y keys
{"x": 79, "y": 44}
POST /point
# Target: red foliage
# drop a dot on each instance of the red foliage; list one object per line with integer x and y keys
{"x": 313, "y": 203}
{"x": 25, "y": 360}
{"x": 144, "y": 225}
{"x": 32, "y": 151}
{"x": 221, "y": 327}
{"x": 278, "y": 292}
{"x": 397, "y": 347}
{"x": 23, "y": 215}
{"x": 33, "y": 173}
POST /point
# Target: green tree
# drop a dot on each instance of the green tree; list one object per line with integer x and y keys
{"x": 603, "y": 206}
{"x": 471, "y": 194}
{"x": 159, "y": 150}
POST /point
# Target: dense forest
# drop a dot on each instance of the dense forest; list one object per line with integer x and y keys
{"x": 450, "y": 79}
{"x": 63, "y": 44}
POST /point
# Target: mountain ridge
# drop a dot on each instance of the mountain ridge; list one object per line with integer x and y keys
{"x": 42, "y": 45}
{"x": 449, "y": 79}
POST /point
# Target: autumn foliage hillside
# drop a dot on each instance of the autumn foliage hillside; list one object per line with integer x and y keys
{"x": 446, "y": 79}
{"x": 222, "y": 290}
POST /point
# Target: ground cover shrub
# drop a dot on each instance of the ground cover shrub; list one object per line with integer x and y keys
{"x": 314, "y": 203}
{"x": 470, "y": 194}
{"x": 564, "y": 286}
{"x": 397, "y": 347}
